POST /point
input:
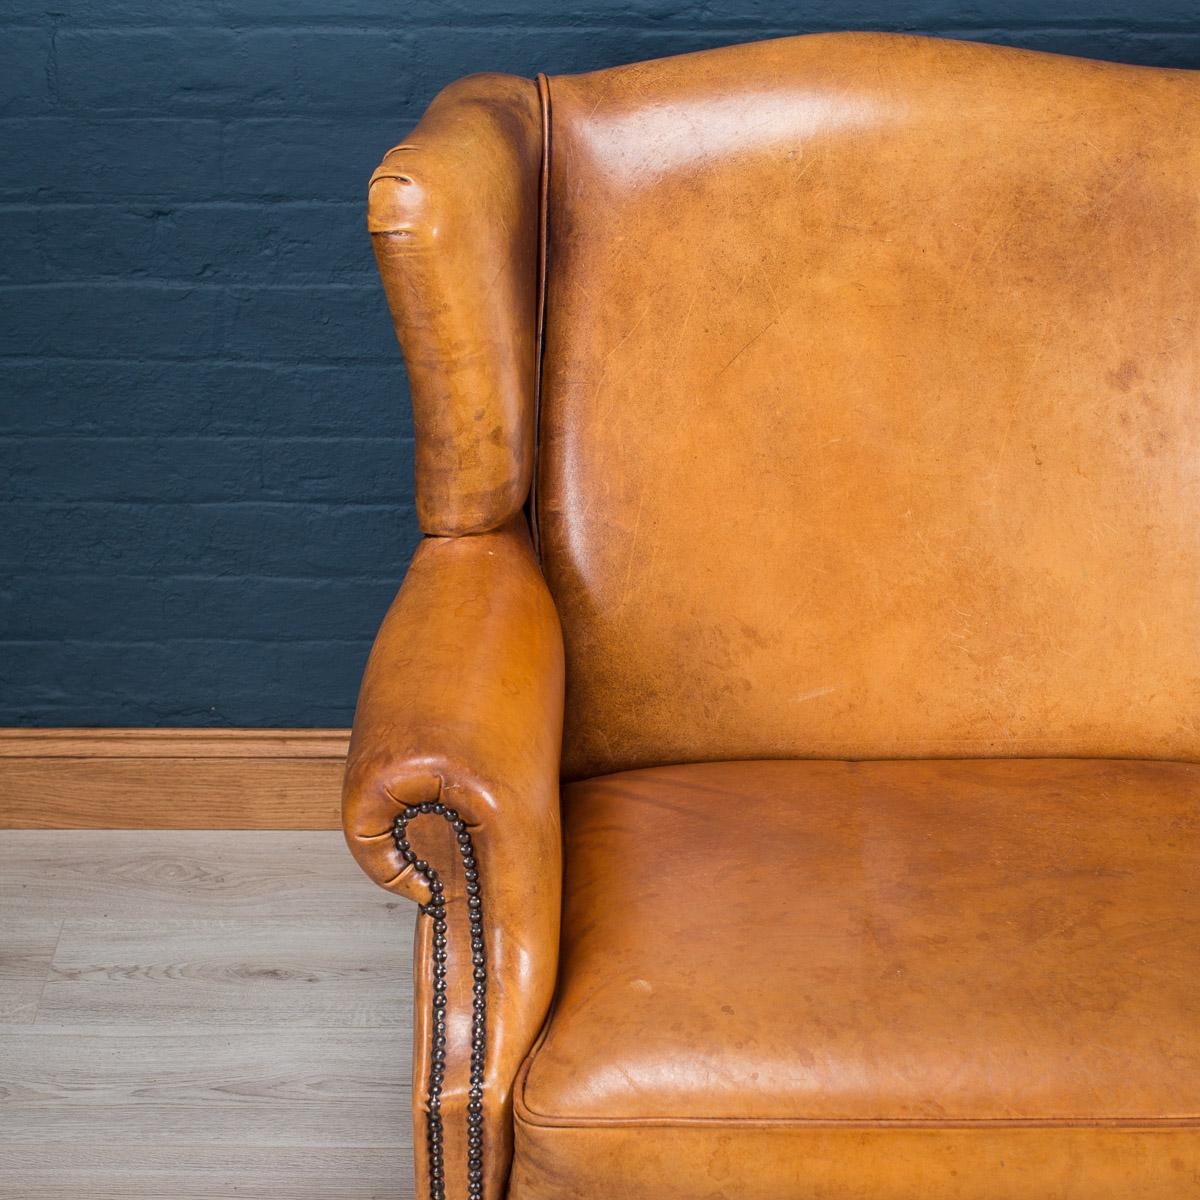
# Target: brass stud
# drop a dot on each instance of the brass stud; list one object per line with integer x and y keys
{"x": 436, "y": 909}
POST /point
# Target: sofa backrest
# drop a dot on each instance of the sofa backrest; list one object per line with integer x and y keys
{"x": 870, "y": 404}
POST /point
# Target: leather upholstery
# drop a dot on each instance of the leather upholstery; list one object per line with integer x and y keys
{"x": 480, "y": 732}
{"x": 870, "y": 405}
{"x": 453, "y": 214}
{"x": 852, "y": 385}
{"x": 874, "y": 979}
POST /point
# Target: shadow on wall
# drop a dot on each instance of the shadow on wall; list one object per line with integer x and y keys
{"x": 205, "y": 441}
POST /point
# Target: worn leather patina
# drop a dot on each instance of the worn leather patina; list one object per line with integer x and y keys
{"x": 808, "y": 440}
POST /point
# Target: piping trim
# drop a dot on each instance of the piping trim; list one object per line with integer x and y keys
{"x": 543, "y": 84}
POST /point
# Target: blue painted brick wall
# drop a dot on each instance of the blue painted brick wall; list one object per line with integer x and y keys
{"x": 205, "y": 486}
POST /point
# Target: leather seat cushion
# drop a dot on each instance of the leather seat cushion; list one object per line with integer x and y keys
{"x": 938, "y": 979}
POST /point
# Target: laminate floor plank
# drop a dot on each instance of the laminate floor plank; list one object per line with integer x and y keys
{"x": 131, "y": 874}
{"x": 123, "y": 873}
{"x": 222, "y": 1086}
{"x": 26, "y": 951}
{"x": 348, "y": 973}
{"x": 184, "y": 1172}
{"x": 197, "y": 1014}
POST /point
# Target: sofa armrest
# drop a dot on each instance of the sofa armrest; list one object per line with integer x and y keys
{"x": 457, "y": 738}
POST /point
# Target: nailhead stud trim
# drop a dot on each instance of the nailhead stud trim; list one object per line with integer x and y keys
{"x": 436, "y": 909}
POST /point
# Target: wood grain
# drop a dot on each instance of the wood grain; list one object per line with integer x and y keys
{"x": 150, "y": 1172}
{"x": 129, "y": 875}
{"x": 172, "y": 1084}
{"x": 171, "y": 778}
{"x": 200, "y": 1015}
{"x": 345, "y": 974}
{"x": 26, "y": 951}
{"x": 173, "y": 743}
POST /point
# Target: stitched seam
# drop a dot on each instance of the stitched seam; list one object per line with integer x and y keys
{"x": 519, "y": 1102}
{"x": 543, "y": 82}
{"x": 877, "y": 759}
{"x": 528, "y": 1116}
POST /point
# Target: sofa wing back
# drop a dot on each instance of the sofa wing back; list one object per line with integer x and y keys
{"x": 454, "y": 219}
{"x": 870, "y": 407}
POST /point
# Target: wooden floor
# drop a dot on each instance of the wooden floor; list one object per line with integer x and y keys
{"x": 194, "y": 1014}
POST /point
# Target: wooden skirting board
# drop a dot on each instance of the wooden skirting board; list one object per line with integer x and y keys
{"x": 171, "y": 778}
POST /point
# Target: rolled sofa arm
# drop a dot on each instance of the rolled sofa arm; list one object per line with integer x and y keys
{"x": 451, "y": 799}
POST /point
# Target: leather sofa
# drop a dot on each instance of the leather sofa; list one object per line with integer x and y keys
{"x": 789, "y": 725}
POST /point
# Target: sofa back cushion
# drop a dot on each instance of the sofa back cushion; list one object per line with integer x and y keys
{"x": 870, "y": 409}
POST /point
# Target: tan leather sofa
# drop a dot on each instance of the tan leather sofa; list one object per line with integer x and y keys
{"x": 790, "y": 724}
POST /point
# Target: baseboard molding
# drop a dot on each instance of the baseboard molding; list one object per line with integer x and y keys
{"x": 171, "y": 778}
